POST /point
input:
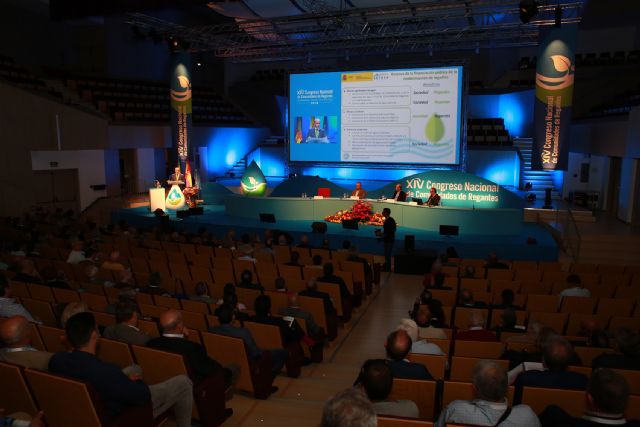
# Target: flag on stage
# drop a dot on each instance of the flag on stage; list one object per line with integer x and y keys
{"x": 187, "y": 176}
{"x": 299, "y": 130}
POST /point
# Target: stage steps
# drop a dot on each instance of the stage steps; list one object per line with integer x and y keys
{"x": 238, "y": 169}
{"x": 540, "y": 179}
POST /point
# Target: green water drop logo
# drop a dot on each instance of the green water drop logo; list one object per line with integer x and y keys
{"x": 434, "y": 131}
{"x": 253, "y": 182}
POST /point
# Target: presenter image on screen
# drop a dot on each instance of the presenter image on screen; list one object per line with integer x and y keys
{"x": 359, "y": 192}
{"x": 316, "y": 133}
{"x": 434, "y": 198}
{"x": 398, "y": 194}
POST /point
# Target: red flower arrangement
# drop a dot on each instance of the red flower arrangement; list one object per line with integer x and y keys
{"x": 361, "y": 211}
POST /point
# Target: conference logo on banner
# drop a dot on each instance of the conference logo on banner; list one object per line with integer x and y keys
{"x": 555, "y": 72}
{"x": 181, "y": 108}
{"x": 456, "y": 189}
{"x": 253, "y": 182}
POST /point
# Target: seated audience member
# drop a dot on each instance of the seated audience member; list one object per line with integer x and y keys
{"x": 8, "y": 306}
{"x": 575, "y": 287}
{"x": 345, "y": 295}
{"x": 282, "y": 239}
{"x": 246, "y": 281}
{"x": 225, "y": 316}
{"x": 294, "y": 260}
{"x": 304, "y": 242}
{"x": 421, "y": 346}
{"x": 557, "y": 355}
{"x": 377, "y": 381}
{"x": 91, "y": 273}
{"x": 15, "y": 334}
{"x": 627, "y": 352}
{"x": 507, "y": 297}
{"x": 11, "y": 421}
{"x": 281, "y": 285}
{"x": 354, "y": 256}
{"x": 476, "y": 331}
{"x": 125, "y": 279}
{"x": 466, "y": 300}
{"x": 262, "y": 307}
{"x": 27, "y": 272}
{"x": 489, "y": 406}
{"x": 427, "y": 325}
{"x": 349, "y": 408}
{"x": 126, "y": 328}
{"x": 312, "y": 291}
{"x": 53, "y": 279}
{"x": 268, "y": 246}
{"x": 245, "y": 247}
{"x": 202, "y": 293}
{"x": 113, "y": 262}
{"x": 77, "y": 254}
{"x": 293, "y": 309}
{"x": 117, "y": 391}
{"x": 429, "y": 280}
{"x": 469, "y": 272}
{"x": 174, "y": 340}
{"x": 398, "y": 346}
{"x": 494, "y": 262}
{"x": 229, "y": 240}
{"x": 71, "y": 309}
{"x": 508, "y": 322}
{"x": 154, "y": 287}
{"x": 316, "y": 262}
{"x": 291, "y": 333}
{"x": 606, "y": 399}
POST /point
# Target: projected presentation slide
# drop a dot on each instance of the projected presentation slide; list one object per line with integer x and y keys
{"x": 387, "y": 116}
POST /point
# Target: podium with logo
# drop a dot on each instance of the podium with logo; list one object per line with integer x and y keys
{"x": 175, "y": 197}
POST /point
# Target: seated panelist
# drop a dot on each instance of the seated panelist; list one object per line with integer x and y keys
{"x": 359, "y": 192}
{"x": 434, "y": 198}
{"x": 398, "y": 194}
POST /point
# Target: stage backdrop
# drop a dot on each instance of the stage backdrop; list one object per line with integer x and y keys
{"x": 456, "y": 189}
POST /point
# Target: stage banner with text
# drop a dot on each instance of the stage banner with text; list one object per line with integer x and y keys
{"x": 456, "y": 189}
{"x": 181, "y": 104}
{"x": 555, "y": 72}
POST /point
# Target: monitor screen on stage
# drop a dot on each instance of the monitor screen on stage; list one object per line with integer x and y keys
{"x": 410, "y": 116}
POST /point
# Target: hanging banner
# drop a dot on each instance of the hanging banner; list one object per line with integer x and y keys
{"x": 181, "y": 104}
{"x": 555, "y": 72}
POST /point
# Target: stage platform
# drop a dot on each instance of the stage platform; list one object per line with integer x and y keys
{"x": 218, "y": 222}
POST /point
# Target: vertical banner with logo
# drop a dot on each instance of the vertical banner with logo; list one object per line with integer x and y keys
{"x": 181, "y": 104}
{"x": 555, "y": 72}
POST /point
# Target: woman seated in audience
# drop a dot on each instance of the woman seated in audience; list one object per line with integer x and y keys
{"x": 230, "y": 298}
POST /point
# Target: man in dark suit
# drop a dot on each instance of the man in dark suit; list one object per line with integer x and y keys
{"x": 313, "y": 292}
{"x": 316, "y": 131}
{"x": 398, "y": 346}
{"x": 177, "y": 175}
{"x": 388, "y": 236}
{"x": 398, "y": 194}
{"x": 627, "y": 355}
{"x": 174, "y": 340}
{"x": 607, "y": 397}
{"x": 126, "y": 329}
{"x": 345, "y": 295}
{"x": 225, "y": 317}
{"x": 117, "y": 391}
{"x": 556, "y": 356}
{"x": 434, "y": 198}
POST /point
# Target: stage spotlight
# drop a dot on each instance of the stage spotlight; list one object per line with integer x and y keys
{"x": 528, "y": 9}
{"x": 558, "y": 16}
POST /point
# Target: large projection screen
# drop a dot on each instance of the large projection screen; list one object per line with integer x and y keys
{"x": 400, "y": 116}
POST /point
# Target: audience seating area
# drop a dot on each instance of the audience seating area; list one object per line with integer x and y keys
{"x": 489, "y": 131}
{"x": 130, "y": 101}
{"x": 615, "y": 291}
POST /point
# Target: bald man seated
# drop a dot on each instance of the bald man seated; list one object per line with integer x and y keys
{"x": 174, "y": 339}
{"x": 398, "y": 346}
{"x": 15, "y": 333}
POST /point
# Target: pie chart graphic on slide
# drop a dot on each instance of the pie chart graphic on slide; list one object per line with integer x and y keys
{"x": 434, "y": 131}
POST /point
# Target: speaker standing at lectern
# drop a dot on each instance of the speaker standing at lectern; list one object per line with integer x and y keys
{"x": 176, "y": 178}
